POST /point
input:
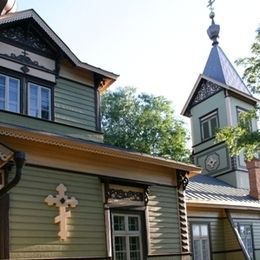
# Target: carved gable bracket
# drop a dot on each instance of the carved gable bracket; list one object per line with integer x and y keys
{"x": 182, "y": 179}
{"x": 206, "y": 89}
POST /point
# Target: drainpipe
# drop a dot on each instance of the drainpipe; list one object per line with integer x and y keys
{"x": 19, "y": 158}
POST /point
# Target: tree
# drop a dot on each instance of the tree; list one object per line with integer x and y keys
{"x": 144, "y": 123}
{"x": 241, "y": 138}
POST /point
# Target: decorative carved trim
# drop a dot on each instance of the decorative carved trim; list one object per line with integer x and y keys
{"x": 183, "y": 222}
{"x": 212, "y": 161}
{"x": 25, "y": 69}
{"x": 5, "y": 155}
{"x": 182, "y": 179}
{"x": 182, "y": 182}
{"x": 24, "y": 59}
{"x": 121, "y": 195}
{"x": 29, "y": 38}
{"x": 207, "y": 89}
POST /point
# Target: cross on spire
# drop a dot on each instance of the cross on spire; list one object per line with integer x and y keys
{"x": 62, "y": 202}
{"x": 210, "y": 5}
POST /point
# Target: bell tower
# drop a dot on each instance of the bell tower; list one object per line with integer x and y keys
{"x": 216, "y": 100}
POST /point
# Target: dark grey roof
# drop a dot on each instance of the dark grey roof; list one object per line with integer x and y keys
{"x": 219, "y": 68}
{"x": 208, "y": 190}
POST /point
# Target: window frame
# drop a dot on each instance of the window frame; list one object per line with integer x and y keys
{"x": 126, "y": 233}
{"x": 238, "y": 226}
{"x": 6, "y": 93}
{"x": 200, "y": 238}
{"x": 30, "y": 83}
{"x": 207, "y": 118}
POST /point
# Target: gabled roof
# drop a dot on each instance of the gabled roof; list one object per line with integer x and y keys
{"x": 210, "y": 192}
{"x": 31, "y": 14}
{"x": 189, "y": 103}
{"x": 219, "y": 68}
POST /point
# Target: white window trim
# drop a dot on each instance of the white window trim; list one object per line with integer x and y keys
{"x": 6, "y": 97}
{"x": 128, "y": 233}
{"x": 39, "y": 99}
{"x": 201, "y": 237}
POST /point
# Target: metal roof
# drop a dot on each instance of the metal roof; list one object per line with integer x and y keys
{"x": 207, "y": 190}
{"x": 219, "y": 68}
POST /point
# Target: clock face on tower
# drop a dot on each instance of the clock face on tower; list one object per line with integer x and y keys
{"x": 212, "y": 162}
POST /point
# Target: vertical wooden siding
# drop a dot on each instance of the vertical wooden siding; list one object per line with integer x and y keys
{"x": 33, "y": 233}
{"x": 163, "y": 221}
{"x": 74, "y": 104}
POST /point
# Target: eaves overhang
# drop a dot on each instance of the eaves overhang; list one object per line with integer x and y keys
{"x": 223, "y": 204}
{"x": 96, "y": 148}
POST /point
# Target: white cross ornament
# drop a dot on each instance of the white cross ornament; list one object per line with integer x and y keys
{"x": 62, "y": 201}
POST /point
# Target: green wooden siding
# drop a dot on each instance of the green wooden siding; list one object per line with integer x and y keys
{"x": 74, "y": 104}
{"x": 33, "y": 233}
{"x": 163, "y": 221}
{"x": 49, "y": 126}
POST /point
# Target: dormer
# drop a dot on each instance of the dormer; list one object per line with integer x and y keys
{"x": 43, "y": 85}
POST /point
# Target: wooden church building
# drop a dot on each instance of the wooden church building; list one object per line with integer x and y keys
{"x": 223, "y": 202}
{"x": 64, "y": 194}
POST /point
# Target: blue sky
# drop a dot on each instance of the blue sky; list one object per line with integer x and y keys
{"x": 158, "y": 46}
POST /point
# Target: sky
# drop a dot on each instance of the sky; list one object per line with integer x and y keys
{"x": 158, "y": 46}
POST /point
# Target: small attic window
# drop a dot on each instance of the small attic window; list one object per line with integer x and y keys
{"x": 39, "y": 101}
{"x": 208, "y": 125}
{"x": 9, "y": 93}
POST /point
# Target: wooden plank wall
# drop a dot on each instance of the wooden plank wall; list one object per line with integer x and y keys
{"x": 163, "y": 221}
{"x": 75, "y": 104}
{"x": 33, "y": 233}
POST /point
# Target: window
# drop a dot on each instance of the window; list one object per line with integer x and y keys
{"x": 200, "y": 242}
{"x": 127, "y": 239}
{"x": 9, "y": 93}
{"x": 39, "y": 101}
{"x": 245, "y": 231}
{"x": 209, "y": 125}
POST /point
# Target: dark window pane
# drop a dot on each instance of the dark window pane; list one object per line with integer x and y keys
{"x": 119, "y": 223}
{"x": 134, "y": 244}
{"x": 120, "y": 248}
{"x": 205, "y": 130}
{"x": 214, "y": 125}
{"x": 133, "y": 224}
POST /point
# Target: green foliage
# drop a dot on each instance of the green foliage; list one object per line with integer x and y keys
{"x": 144, "y": 123}
{"x": 252, "y": 66}
{"x": 241, "y": 138}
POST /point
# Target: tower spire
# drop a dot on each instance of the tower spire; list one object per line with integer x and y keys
{"x": 213, "y": 30}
